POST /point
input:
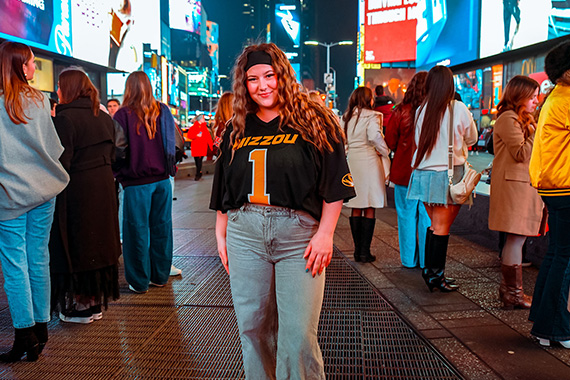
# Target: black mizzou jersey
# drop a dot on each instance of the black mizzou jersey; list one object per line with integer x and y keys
{"x": 279, "y": 168}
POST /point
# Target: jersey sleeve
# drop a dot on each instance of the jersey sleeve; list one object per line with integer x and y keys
{"x": 219, "y": 183}
{"x": 335, "y": 182}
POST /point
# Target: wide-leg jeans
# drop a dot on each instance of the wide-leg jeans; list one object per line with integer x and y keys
{"x": 549, "y": 310}
{"x": 25, "y": 264}
{"x": 147, "y": 234}
{"x": 413, "y": 222}
{"x": 277, "y": 303}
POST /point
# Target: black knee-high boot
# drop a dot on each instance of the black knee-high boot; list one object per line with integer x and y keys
{"x": 366, "y": 239}
{"x": 41, "y": 331}
{"x": 356, "y": 229}
{"x": 434, "y": 272}
{"x": 25, "y": 342}
{"x": 429, "y": 234}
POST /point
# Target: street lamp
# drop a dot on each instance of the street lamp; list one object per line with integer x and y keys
{"x": 329, "y": 46}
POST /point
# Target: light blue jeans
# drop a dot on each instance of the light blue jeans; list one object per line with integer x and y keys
{"x": 25, "y": 264}
{"x": 413, "y": 222}
{"x": 277, "y": 303}
{"x": 147, "y": 234}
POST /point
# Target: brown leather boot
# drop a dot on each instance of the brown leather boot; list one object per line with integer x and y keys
{"x": 511, "y": 290}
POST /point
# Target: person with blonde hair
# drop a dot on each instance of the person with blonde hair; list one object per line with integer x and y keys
{"x": 365, "y": 146}
{"x": 84, "y": 244}
{"x": 147, "y": 220}
{"x": 513, "y": 136}
{"x": 278, "y": 190}
{"x": 31, "y": 177}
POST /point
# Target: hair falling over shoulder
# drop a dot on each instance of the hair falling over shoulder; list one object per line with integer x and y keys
{"x": 13, "y": 83}
{"x": 224, "y": 110}
{"x": 314, "y": 122}
{"x": 139, "y": 99}
{"x": 517, "y": 92}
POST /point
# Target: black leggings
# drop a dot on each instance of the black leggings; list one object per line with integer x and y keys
{"x": 198, "y": 161}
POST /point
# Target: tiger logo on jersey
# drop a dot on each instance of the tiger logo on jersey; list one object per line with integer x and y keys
{"x": 347, "y": 180}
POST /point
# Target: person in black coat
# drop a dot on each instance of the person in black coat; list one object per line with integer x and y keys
{"x": 84, "y": 243}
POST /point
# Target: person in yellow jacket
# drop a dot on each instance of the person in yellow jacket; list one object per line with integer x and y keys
{"x": 550, "y": 175}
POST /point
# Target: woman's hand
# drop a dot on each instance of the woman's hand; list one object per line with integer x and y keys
{"x": 319, "y": 251}
{"x": 221, "y": 226}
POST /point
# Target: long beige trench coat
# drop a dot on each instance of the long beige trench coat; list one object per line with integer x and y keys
{"x": 515, "y": 206}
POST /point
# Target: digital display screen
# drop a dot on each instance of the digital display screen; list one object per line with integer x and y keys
{"x": 186, "y": 15}
{"x": 470, "y": 87}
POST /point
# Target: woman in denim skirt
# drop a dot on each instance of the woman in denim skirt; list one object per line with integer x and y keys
{"x": 430, "y": 182}
{"x": 278, "y": 190}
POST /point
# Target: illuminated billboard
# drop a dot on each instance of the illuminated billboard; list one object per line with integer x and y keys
{"x": 512, "y": 24}
{"x": 186, "y": 15}
{"x": 389, "y": 31}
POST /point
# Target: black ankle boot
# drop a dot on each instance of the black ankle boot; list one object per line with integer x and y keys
{"x": 356, "y": 229}
{"x": 25, "y": 342}
{"x": 41, "y": 331}
{"x": 433, "y": 274}
{"x": 366, "y": 239}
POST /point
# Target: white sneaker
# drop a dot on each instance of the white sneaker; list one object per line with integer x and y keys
{"x": 175, "y": 271}
{"x": 136, "y": 291}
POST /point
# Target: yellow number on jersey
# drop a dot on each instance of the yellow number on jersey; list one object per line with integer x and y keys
{"x": 258, "y": 179}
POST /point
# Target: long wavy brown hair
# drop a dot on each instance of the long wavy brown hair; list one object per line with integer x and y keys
{"x": 138, "y": 98}
{"x": 440, "y": 90}
{"x": 314, "y": 122}
{"x": 224, "y": 112}
{"x": 13, "y": 83}
{"x": 517, "y": 92}
{"x": 74, "y": 84}
{"x": 361, "y": 98}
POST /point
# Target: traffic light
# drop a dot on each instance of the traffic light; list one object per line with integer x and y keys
{"x": 323, "y": 97}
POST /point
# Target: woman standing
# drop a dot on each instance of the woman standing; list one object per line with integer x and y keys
{"x": 278, "y": 190}
{"x": 31, "y": 177}
{"x": 510, "y": 184}
{"x": 224, "y": 113}
{"x": 413, "y": 219}
{"x": 550, "y": 175}
{"x": 84, "y": 244}
{"x": 429, "y": 182}
{"x": 365, "y": 143}
{"x": 147, "y": 220}
{"x": 201, "y": 141}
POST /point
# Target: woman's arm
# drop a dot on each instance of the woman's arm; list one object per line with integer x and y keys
{"x": 509, "y": 130}
{"x": 221, "y": 226}
{"x": 320, "y": 248}
{"x": 375, "y": 137}
{"x": 392, "y": 129}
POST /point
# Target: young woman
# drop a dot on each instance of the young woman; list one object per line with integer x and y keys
{"x": 365, "y": 142}
{"x": 550, "y": 175}
{"x": 31, "y": 176}
{"x": 201, "y": 141}
{"x": 84, "y": 244}
{"x": 278, "y": 188}
{"x": 224, "y": 112}
{"x": 147, "y": 220}
{"x": 429, "y": 182}
{"x": 510, "y": 184}
{"x": 413, "y": 219}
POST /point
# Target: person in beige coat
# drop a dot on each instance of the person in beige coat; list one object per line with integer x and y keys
{"x": 515, "y": 206}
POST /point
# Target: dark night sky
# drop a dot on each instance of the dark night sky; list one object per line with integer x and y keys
{"x": 335, "y": 20}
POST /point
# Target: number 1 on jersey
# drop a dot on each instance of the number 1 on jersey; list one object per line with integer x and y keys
{"x": 258, "y": 177}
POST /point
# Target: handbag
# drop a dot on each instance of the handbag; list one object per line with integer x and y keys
{"x": 460, "y": 191}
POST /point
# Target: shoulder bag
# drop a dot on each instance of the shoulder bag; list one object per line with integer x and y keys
{"x": 460, "y": 191}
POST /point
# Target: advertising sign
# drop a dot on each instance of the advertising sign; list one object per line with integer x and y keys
{"x": 511, "y": 24}
{"x": 290, "y": 20}
{"x": 212, "y": 32}
{"x": 43, "y": 77}
{"x": 186, "y": 15}
{"x": 389, "y": 30}
{"x": 497, "y": 71}
{"x": 470, "y": 87}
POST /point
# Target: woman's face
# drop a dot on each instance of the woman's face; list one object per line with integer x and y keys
{"x": 530, "y": 104}
{"x": 30, "y": 68}
{"x": 262, "y": 87}
{"x": 59, "y": 93}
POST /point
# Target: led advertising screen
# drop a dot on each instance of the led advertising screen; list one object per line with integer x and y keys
{"x": 512, "y": 24}
{"x": 470, "y": 87}
{"x": 186, "y": 15}
{"x": 44, "y": 24}
{"x": 389, "y": 31}
{"x": 447, "y": 32}
{"x": 289, "y": 20}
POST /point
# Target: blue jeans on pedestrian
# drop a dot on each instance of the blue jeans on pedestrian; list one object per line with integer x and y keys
{"x": 413, "y": 222}
{"x": 549, "y": 310}
{"x": 277, "y": 303}
{"x": 25, "y": 264}
{"x": 147, "y": 234}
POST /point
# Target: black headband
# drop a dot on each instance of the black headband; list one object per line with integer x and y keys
{"x": 257, "y": 57}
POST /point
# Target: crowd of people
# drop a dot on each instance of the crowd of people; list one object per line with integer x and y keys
{"x": 286, "y": 166}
